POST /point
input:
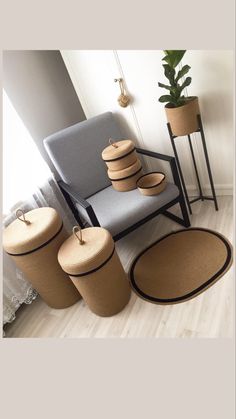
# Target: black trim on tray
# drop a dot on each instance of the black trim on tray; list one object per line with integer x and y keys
{"x": 127, "y": 177}
{"x": 192, "y": 293}
{"x": 121, "y": 157}
{"x": 39, "y": 247}
{"x": 153, "y": 186}
{"x": 95, "y": 269}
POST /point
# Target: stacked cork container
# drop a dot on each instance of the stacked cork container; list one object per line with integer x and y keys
{"x": 124, "y": 167}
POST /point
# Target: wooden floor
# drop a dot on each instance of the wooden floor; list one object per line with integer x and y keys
{"x": 208, "y": 315}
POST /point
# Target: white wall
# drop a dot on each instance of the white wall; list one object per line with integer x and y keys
{"x": 93, "y": 73}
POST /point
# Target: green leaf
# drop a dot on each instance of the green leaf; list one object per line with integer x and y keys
{"x": 165, "y": 98}
{"x": 175, "y": 92}
{"x": 170, "y": 51}
{"x": 186, "y": 83}
{"x": 182, "y": 72}
{"x": 178, "y": 57}
{"x": 173, "y": 57}
{"x": 181, "y": 100}
{"x": 169, "y": 73}
{"x": 180, "y": 103}
{"x": 168, "y": 60}
{"x": 165, "y": 86}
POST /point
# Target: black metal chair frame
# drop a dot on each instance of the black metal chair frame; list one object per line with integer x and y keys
{"x": 71, "y": 196}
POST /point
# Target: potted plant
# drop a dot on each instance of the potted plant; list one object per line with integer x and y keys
{"x": 181, "y": 111}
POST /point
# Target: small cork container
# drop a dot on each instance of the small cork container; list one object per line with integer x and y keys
{"x": 33, "y": 241}
{"x": 125, "y": 179}
{"x": 89, "y": 257}
{"x": 183, "y": 119}
{"x": 152, "y": 183}
{"x": 119, "y": 155}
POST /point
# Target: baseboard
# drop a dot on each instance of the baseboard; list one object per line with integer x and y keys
{"x": 221, "y": 190}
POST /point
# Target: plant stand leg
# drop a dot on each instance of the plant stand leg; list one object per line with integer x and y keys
{"x": 184, "y": 212}
{"x": 207, "y": 161}
{"x": 185, "y": 222}
{"x": 195, "y": 167}
{"x": 179, "y": 168}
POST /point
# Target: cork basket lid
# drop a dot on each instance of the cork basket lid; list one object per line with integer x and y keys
{"x": 124, "y": 173}
{"x": 117, "y": 149}
{"x": 86, "y": 250}
{"x": 31, "y": 230}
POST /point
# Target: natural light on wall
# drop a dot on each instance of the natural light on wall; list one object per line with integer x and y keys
{"x": 23, "y": 167}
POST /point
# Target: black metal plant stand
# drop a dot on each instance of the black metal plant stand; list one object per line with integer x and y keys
{"x": 201, "y": 196}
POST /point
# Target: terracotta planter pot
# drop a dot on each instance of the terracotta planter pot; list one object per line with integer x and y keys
{"x": 125, "y": 179}
{"x": 119, "y": 155}
{"x": 152, "y": 183}
{"x": 95, "y": 269}
{"x": 183, "y": 120}
{"x": 34, "y": 248}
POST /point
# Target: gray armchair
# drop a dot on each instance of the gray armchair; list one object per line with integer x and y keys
{"x": 76, "y": 155}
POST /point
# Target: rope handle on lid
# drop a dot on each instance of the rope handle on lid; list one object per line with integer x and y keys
{"x": 20, "y": 213}
{"x": 113, "y": 143}
{"x": 76, "y": 230}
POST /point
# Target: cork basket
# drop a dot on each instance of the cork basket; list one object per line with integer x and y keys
{"x": 125, "y": 179}
{"x": 90, "y": 259}
{"x": 33, "y": 241}
{"x": 152, "y": 183}
{"x": 183, "y": 119}
{"x": 119, "y": 155}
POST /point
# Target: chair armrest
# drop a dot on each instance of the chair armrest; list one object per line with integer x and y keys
{"x": 165, "y": 157}
{"x": 81, "y": 201}
{"x": 154, "y": 154}
{"x": 67, "y": 188}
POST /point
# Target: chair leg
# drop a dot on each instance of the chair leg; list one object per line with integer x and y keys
{"x": 185, "y": 222}
{"x": 184, "y": 211}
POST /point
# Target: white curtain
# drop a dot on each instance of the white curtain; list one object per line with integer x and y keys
{"x": 27, "y": 183}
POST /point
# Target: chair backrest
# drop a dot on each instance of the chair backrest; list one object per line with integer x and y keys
{"x": 76, "y": 153}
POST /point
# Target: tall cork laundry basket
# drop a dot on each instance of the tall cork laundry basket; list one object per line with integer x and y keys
{"x": 33, "y": 241}
{"x": 120, "y": 154}
{"x": 90, "y": 259}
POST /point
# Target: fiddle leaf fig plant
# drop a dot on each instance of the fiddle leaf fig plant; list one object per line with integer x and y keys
{"x": 174, "y": 98}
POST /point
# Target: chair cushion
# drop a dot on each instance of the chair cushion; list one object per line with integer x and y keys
{"x": 117, "y": 211}
{"x": 76, "y": 153}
